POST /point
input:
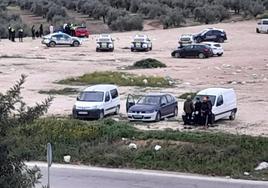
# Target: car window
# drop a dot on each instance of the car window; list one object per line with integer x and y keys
{"x": 149, "y": 100}
{"x": 66, "y": 37}
{"x": 114, "y": 93}
{"x": 91, "y": 96}
{"x": 107, "y": 97}
{"x": 212, "y": 98}
{"x": 170, "y": 99}
{"x": 209, "y": 33}
{"x": 220, "y": 100}
{"x": 188, "y": 47}
{"x": 217, "y": 45}
{"x": 164, "y": 100}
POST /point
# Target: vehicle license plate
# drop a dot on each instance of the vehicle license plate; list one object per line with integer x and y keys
{"x": 82, "y": 113}
{"x": 138, "y": 116}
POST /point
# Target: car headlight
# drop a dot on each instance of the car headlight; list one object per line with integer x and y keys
{"x": 110, "y": 45}
{"x": 144, "y": 45}
{"x": 98, "y": 45}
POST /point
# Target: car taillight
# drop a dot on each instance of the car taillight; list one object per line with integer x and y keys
{"x": 206, "y": 49}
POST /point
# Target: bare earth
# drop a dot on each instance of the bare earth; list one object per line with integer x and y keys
{"x": 244, "y": 67}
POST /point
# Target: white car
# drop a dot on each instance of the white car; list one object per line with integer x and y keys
{"x": 217, "y": 48}
{"x": 224, "y": 104}
{"x": 105, "y": 43}
{"x": 186, "y": 39}
{"x": 141, "y": 43}
{"x": 97, "y": 101}
{"x": 262, "y": 26}
{"x": 60, "y": 38}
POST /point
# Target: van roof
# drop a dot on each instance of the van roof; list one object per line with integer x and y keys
{"x": 214, "y": 91}
{"x": 264, "y": 19}
{"x": 101, "y": 87}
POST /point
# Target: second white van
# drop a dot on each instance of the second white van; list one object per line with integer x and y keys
{"x": 224, "y": 103}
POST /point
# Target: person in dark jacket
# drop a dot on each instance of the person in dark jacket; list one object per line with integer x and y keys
{"x": 9, "y": 32}
{"x": 197, "y": 111}
{"x": 13, "y": 34}
{"x": 33, "y": 32}
{"x": 41, "y": 31}
{"x": 21, "y": 35}
{"x": 206, "y": 109}
{"x": 188, "y": 108}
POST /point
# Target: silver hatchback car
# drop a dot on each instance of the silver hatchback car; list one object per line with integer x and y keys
{"x": 59, "y": 38}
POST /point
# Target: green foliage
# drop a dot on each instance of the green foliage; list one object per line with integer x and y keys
{"x": 149, "y": 63}
{"x": 64, "y": 91}
{"x": 127, "y": 23}
{"x": 184, "y": 95}
{"x": 100, "y": 143}
{"x": 14, "y": 114}
{"x": 118, "y": 78}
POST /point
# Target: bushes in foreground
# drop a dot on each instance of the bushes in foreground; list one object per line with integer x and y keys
{"x": 100, "y": 143}
{"x": 149, "y": 63}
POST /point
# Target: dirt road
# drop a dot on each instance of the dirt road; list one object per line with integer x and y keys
{"x": 244, "y": 67}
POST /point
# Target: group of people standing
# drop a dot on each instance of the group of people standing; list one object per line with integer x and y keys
{"x": 37, "y": 33}
{"x": 69, "y": 29}
{"x": 12, "y": 34}
{"x": 198, "y": 113}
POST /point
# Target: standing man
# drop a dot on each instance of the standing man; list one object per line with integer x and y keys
{"x": 33, "y": 32}
{"x": 197, "y": 110}
{"x": 41, "y": 31}
{"x": 21, "y": 34}
{"x": 51, "y": 29}
{"x": 206, "y": 109}
{"x": 13, "y": 34}
{"x": 9, "y": 32}
{"x": 188, "y": 108}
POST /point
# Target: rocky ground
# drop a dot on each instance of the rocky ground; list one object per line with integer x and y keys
{"x": 244, "y": 67}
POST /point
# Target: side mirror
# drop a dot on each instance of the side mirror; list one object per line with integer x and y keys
{"x": 163, "y": 104}
{"x": 77, "y": 98}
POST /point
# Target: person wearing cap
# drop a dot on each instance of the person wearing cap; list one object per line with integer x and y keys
{"x": 9, "y": 32}
{"x": 13, "y": 34}
{"x": 188, "y": 108}
{"x": 21, "y": 34}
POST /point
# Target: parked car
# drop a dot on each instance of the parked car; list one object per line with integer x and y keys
{"x": 151, "y": 107}
{"x": 60, "y": 38}
{"x": 186, "y": 39}
{"x": 105, "y": 43}
{"x": 141, "y": 43}
{"x": 194, "y": 50}
{"x": 211, "y": 34}
{"x": 217, "y": 49}
{"x": 81, "y": 31}
{"x": 224, "y": 103}
{"x": 97, "y": 101}
{"x": 262, "y": 26}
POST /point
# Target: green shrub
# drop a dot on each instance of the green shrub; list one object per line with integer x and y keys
{"x": 64, "y": 91}
{"x": 118, "y": 78}
{"x": 149, "y": 63}
{"x": 184, "y": 95}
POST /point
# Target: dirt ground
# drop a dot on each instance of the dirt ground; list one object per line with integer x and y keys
{"x": 244, "y": 67}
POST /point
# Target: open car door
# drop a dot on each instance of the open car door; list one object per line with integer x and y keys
{"x": 130, "y": 101}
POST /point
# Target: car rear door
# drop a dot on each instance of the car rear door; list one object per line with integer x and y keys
{"x": 67, "y": 39}
{"x": 164, "y": 106}
{"x": 108, "y": 105}
{"x": 210, "y": 36}
{"x": 171, "y": 104}
{"x": 187, "y": 51}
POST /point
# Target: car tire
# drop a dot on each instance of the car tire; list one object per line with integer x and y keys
{"x": 158, "y": 117}
{"x": 220, "y": 54}
{"x": 257, "y": 30}
{"x": 232, "y": 116}
{"x": 177, "y": 55}
{"x": 75, "y": 44}
{"x": 132, "y": 50}
{"x": 221, "y": 40}
{"x": 101, "y": 115}
{"x": 117, "y": 110}
{"x": 201, "y": 56}
{"x": 111, "y": 50}
{"x": 198, "y": 40}
{"x": 52, "y": 44}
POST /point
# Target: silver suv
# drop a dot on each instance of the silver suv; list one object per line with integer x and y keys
{"x": 186, "y": 39}
{"x": 59, "y": 38}
{"x": 105, "y": 43}
{"x": 141, "y": 43}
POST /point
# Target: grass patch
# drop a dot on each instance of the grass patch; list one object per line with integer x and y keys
{"x": 118, "y": 78}
{"x": 100, "y": 143}
{"x": 148, "y": 64}
{"x": 64, "y": 91}
{"x": 184, "y": 95}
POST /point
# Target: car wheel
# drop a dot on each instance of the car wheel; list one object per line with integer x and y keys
{"x": 75, "y": 43}
{"x": 132, "y": 50}
{"x": 101, "y": 115}
{"x": 177, "y": 55}
{"x": 201, "y": 56}
{"x": 198, "y": 40}
{"x": 117, "y": 110}
{"x": 219, "y": 54}
{"x": 52, "y": 44}
{"x": 221, "y": 40}
{"x": 232, "y": 116}
{"x": 158, "y": 117}
{"x": 97, "y": 50}
{"x": 112, "y": 50}
{"x": 257, "y": 30}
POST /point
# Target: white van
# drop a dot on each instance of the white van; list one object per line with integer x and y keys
{"x": 97, "y": 101}
{"x": 262, "y": 26}
{"x": 223, "y": 101}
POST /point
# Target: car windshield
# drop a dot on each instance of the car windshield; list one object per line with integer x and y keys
{"x": 212, "y": 98}
{"x": 150, "y": 100}
{"x": 138, "y": 40}
{"x": 104, "y": 40}
{"x": 91, "y": 96}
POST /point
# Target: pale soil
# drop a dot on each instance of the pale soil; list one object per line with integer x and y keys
{"x": 245, "y": 63}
